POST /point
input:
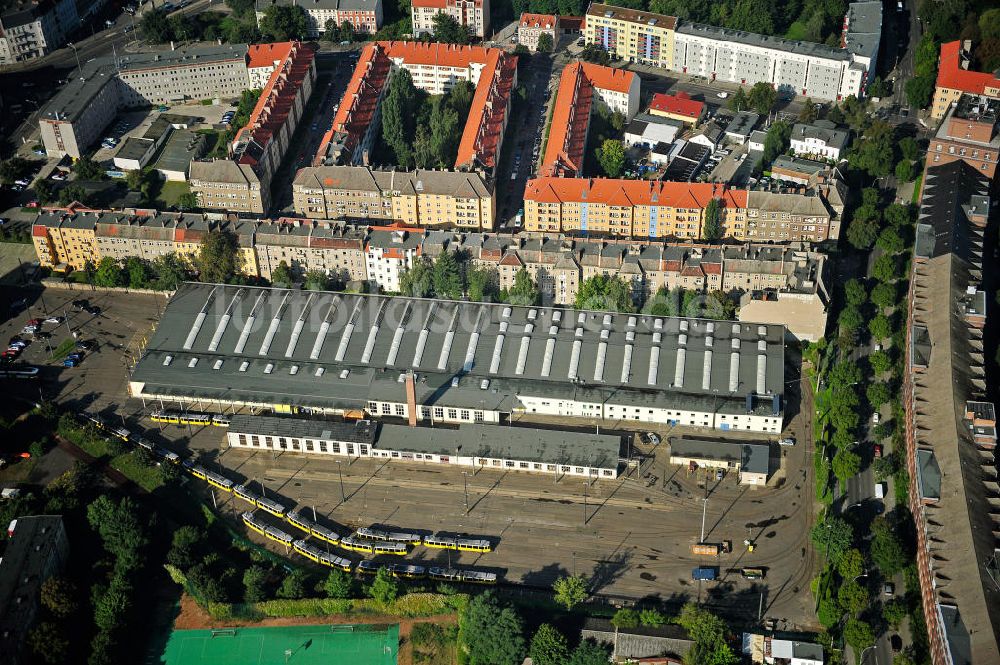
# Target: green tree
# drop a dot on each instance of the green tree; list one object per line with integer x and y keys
{"x": 605, "y": 294}
{"x": 843, "y": 374}
{"x": 481, "y": 285}
{"x": 72, "y": 193}
{"x": 708, "y": 632}
{"x": 832, "y": 537}
{"x": 48, "y": 642}
{"x": 880, "y": 327}
{"x": 595, "y": 53}
{"x": 778, "y": 138}
{"x": 890, "y": 241}
{"x": 858, "y": 634}
{"x": 862, "y": 232}
{"x": 445, "y": 132}
{"x": 852, "y": 564}
{"x": 282, "y": 276}
{"x": 187, "y": 548}
{"x": 58, "y": 596}
{"x": 294, "y": 585}
{"x": 570, "y": 591}
{"x": 919, "y": 91}
{"x": 738, "y": 100}
{"x": 119, "y": 526}
{"x": 909, "y": 148}
{"x": 317, "y": 280}
{"x": 13, "y": 169}
{"x": 338, "y": 584}
{"x": 829, "y": 613}
{"x": 398, "y": 116}
{"x": 652, "y": 618}
{"x": 156, "y": 27}
{"x": 446, "y": 275}
{"x": 880, "y": 362}
{"x": 384, "y": 588}
{"x": 626, "y": 617}
{"x": 872, "y": 152}
{"x": 884, "y": 295}
{"x": 523, "y": 292}
{"x": 137, "y": 272}
{"x": 112, "y": 605}
{"x": 493, "y": 633}
{"x": 548, "y": 646}
{"x": 45, "y": 191}
{"x": 109, "y": 273}
{"x": 897, "y": 215}
{"x": 887, "y": 549}
{"x": 611, "y": 157}
{"x": 590, "y": 652}
{"x": 852, "y": 597}
{"x": 418, "y": 280}
{"x": 894, "y": 611}
{"x": 170, "y": 271}
{"x": 346, "y": 32}
{"x": 884, "y": 268}
{"x": 460, "y": 98}
{"x": 448, "y": 30}
{"x": 187, "y": 201}
{"x": 545, "y": 44}
{"x": 219, "y": 258}
{"x": 762, "y": 95}
{"x": 846, "y": 464}
{"x": 255, "y": 584}
{"x": 809, "y": 112}
{"x": 241, "y": 7}
{"x": 855, "y": 292}
{"x": 284, "y": 22}
{"x": 850, "y": 318}
{"x": 878, "y": 394}
{"x": 905, "y": 171}
{"x": 87, "y": 169}
{"x": 712, "y": 225}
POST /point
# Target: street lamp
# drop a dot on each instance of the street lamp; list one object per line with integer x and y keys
{"x": 77, "y": 54}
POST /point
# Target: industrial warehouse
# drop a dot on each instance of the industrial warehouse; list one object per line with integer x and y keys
{"x": 478, "y": 446}
{"x": 458, "y": 362}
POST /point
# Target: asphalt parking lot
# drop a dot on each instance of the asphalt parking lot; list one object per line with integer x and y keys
{"x": 632, "y": 536}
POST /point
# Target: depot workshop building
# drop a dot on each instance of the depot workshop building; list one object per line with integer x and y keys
{"x": 476, "y": 446}
{"x": 750, "y": 461}
{"x": 220, "y": 346}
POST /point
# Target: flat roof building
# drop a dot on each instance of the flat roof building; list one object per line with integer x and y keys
{"x": 474, "y": 362}
{"x": 473, "y": 445}
{"x": 36, "y": 550}
{"x": 750, "y": 460}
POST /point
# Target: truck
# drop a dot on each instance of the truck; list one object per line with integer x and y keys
{"x": 712, "y": 549}
{"x": 879, "y": 490}
{"x": 704, "y": 573}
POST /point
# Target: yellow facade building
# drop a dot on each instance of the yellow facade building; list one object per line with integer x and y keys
{"x": 632, "y": 35}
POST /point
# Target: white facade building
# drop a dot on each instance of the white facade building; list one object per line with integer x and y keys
{"x": 820, "y": 139}
{"x": 33, "y": 29}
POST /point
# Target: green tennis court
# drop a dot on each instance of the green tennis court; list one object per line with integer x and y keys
{"x": 360, "y": 644}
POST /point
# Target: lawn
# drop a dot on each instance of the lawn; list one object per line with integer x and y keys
{"x": 170, "y": 192}
{"x": 63, "y": 350}
{"x": 916, "y": 188}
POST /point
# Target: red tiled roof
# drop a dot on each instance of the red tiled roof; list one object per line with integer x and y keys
{"x": 435, "y": 4}
{"x": 951, "y": 75}
{"x": 266, "y": 55}
{"x": 571, "y": 115}
{"x": 679, "y": 104}
{"x": 357, "y": 107}
{"x": 487, "y": 115}
{"x": 538, "y": 20}
{"x": 571, "y": 22}
{"x": 278, "y": 97}
{"x": 632, "y": 192}
{"x": 39, "y": 230}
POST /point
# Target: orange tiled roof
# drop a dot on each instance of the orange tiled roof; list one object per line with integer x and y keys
{"x": 360, "y": 100}
{"x": 265, "y": 55}
{"x": 679, "y": 104}
{"x": 951, "y": 75}
{"x": 487, "y": 115}
{"x": 435, "y": 4}
{"x": 608, "y": 78}
{"x": 538, "y": 20}
{"x": 627, "y": 193}
{"x": 277, "y": 99}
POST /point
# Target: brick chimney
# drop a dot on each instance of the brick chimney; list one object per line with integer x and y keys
{"x": 411, "y": 398}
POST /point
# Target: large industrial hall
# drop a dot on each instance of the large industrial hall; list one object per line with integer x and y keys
{"x": 340, "y": 353}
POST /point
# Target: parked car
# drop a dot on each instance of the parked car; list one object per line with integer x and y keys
{"x": 787, "y": 441}
{"x": 718, "y": 474}
{"x": 875, "y": 417}
{"x": 41, "y": 334}
{"x": 653, "y": 438}
{"x": 92, "y": 309}
{"x": 722, "y": 95}
{"x": 877, "y": 448}
{"x": 70, "y": 362}
{"x": 888, "y": 588}
{"x": 58, "y": 176}
{"x": 80, "y": 304}
{"x": 86, "y": 344}
{"x": 55, "y": 319}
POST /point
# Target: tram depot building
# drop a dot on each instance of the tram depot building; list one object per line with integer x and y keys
{"x": 435, "y": 361}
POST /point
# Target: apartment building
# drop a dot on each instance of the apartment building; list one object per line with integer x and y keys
{"x": 532, "y": 26}
{"x": 581, "y": 85}
{"x": 66, "y": 242}
{"x": 473, "y": 14}
{"x": 335, "y": 249}
{"x": 33, "y": 28}
{"x": 416, "y": 198}
{"x": 970, "y": 132}
{"x": 435, "y": 68}
{"x": 78, "y": 114}
{"x": 365, "y": 16}
{"x": 242, "y": 182}
{"x": 819, "y": 139}
{"x": 955, "y": 79}
{"x": 803, "y": 68}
